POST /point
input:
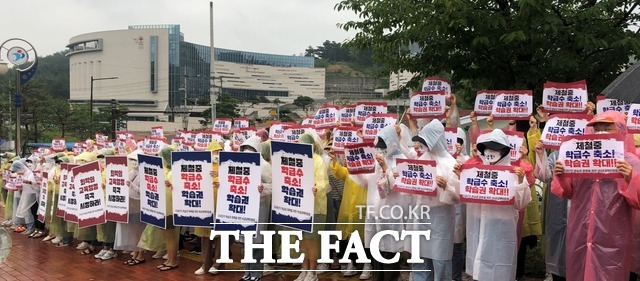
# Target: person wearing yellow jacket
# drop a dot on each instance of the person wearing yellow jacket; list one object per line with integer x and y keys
{"x": 310, "y": 241}
{"x": 8, "y": 196}
{"x": 106, "y": 232}
{"x": 210, "y": 251}
{"x": 171, "y": 232}
{"x": 88, "y": 234}
{"x": 60, "y": 236}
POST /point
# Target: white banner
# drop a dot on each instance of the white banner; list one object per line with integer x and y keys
{"x": 592, "y": 156}
{"x": 87, "y": 180}
{"x": 364, "y": 109}
{"x": 327, "y": 116}
{"x": 375, "y": 122}
{"x": 238, "y": 196}
{"x": 513, "y": 105}
{"x": 192, "y": 190}
{"x": 565, "y": 97}
{"x": 416, "y": 177}
{"x": 117, "y": 175}
{"x": 153, "y": 199}
{"x": 428, "y": 104}
{"x": 437, "y": 84}
{"x": 487, "y": 184}
{"x": 484, "y": 102}
{"x": 560, "y": 125}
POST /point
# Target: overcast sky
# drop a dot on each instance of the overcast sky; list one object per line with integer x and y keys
{"x": 270, "y": 26}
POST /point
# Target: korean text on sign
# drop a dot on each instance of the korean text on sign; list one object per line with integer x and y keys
{"x": 565, "y": 97}
{"x": 561, "y": 125}
{"x": 592, "y": 155}
{"x": 487, "y": 184}
{"x": 513, "y": 105}
{"x": 360, "y": 158}
{"x": 416, "y": 177}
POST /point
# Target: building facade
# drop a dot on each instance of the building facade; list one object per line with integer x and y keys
{"x": 159, "y": 74}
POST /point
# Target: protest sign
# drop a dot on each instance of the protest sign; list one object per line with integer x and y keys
{"x": 58, "y": 145}
{"x": 71, "y": 211}
{"x": 347, "y": 115}
{"x": 428, "y": 104}
{"x": 87, "y": 182}
{"x": 487, "y": 184}
{"x": 513, "y": 105}
{"x": 222, "y": 126}
{"x": 343, "y": 136}
{"x": 238, "y": 204}
{"x": 561, "y": 125}
{"x": 416, "y": 177}
{"x": 292, "y": 199}
{"x": 62, "y": 195}
{"x": 565, "y": 97}
{"x": 11, "y": 183}
{"x": 307, "y": 121}
{"x": 241, "y": 123}
{"x": 192, "y": 188}
{"x": 375, "y": 123}
{"x": 276, "y": 131}
{"x": 117, "y": 176}
{"x": 592, "y": 156}
{"x": 605, "y": 104}
{"x": 437, "y": 84}
{"x": 202, "y": 140}
{"x": 633, "y": 119}
{"x": 451, "y": 136}
{"x": 484, "y": 102}
{"x": 242, "y": 134}
{"x": 157, "y": 132}
{"x": 101, "y": 140}
{"x": 152, "y": 146}
{"x": 292, "y": 133}
{"x": 153, "y": 199}
{"x": 360, "y": 158}
{"x": 364, "y": 109}
{"x": 42, "y": 202}
{"x": 327, "y": 116}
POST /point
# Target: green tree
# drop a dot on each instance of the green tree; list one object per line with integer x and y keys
{"x": 304, "y": 102}
{"x": 517, "y": 44}
{"x": 226, "y": 107}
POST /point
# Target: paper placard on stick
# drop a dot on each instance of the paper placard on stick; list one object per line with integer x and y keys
{"x": 416, "y": 177}
{"x": 292, "y": 133}
{"x": 428, "y": 104}
{"x": 513, "y": 105}
{"x": 561, "y": 125}
{"x": 360, "y": 158}
{"x": 242, "y": 134}
{"x": 241, "y": 123}
{"x": 344, "y": 136}
{"x": 364, "y": 109}
{"x": 222, "y": 126}
{"x": 58, "y": 145}
{"x": 430, "y": 84}
{"x": 592, "y": 156}
{"x": 375, "y": 123}
{"x": 347, "y": 115}
{"x": 276, "y": 131}
{"x": 307, "y": 121}
{"x": 487, "y": 184}
{"x": 71, "y": 212}
{"x": 43, "y": 199}
{"x": 157, "y": 132}
{"x": 484, "y": 102}
{"x": 451, "y": 136}
{"x": 327, "y": 116}
{"x": 565, "y": 97}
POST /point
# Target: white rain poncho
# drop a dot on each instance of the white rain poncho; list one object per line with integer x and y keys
{"x": 266, "y": 177}
{"x": 492, "y": 242}
{"x": 29, "y": 193}
{"x": 442, "y": 213}
{"x": 386, "y": 208}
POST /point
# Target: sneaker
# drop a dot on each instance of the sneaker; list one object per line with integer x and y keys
{"x": 100, "y": 254}
{"x": 28, "y": 231}
{"x": 48, "y": 238}
{"x": 351, "y": 271}
{"x": 7, "y": 223}
{"x": 82, "y": 246}
{"x": 56, "y": 240}
{"x": 200, "y": 271}
{"x": 109, "y": 255}
{"x": 14, "y": 226}
{"x": 322, "y": 268}
{"x": 311, "y": 276}
{"x": 301, "y": 277}
{"x": 366, "y": 272}
{"x": 245, "y": 278}
{"x": 159, "y": 254}
{"x": 213, "y": 270}
{"x": 267, "y": 270}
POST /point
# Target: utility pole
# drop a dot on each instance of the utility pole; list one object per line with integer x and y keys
{"x": 114, "y": 118}
{"x": 212, "y": 71}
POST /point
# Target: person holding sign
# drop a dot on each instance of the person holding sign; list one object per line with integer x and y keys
{"x": 310, "y": 241}
{"x": 128, "y": 234}
{"x": 171, "y": 233}
{"x": 60, "y": 237}
{"x": 492, "y": 239}
{"x": 87, "y": 235}
{"x": 438, "y": 250}
{"x": 106, "y": 232}
{"x": 29, "y": 195}
{"x": 600, "y": 219}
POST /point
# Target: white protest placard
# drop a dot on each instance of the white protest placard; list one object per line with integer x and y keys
{"x": 276, "y": 131}
{"x": 565, "y": 97}
{"x": 416, "y": 177}
{"x": 343, "y": 136}
{"x": 292, "y": 133}
{"x": 561, "y": 125}
{"x": 117, "y": 175}
{"x": 327, "y": 116}
{"x": 202, "y": 140}
{"x": 153, "y": 199}
{"x": 437, "y": 84}
{"x": 633, "y": 119}
{"x": 242, "y": 134}
{"x": 157, "y": 132}
{"x": 364, "y": 109}
{"x": 87, "y": 180}
{"x": 62, "y": 195}
{"x": 592, "y": 156}
{"x": 58, "y": 145}
{"x": 516, "y": 140}
{"x": 451, "y": 136}
{"x": 487, "y": 184}
{"x": 513, "y": 105}
{"x": 360, "y": 158}
{"x": 347, "y": 115}
{"x": 222, "y": 126}
{"x": 71, "y": 211}
{"x": 428, "y": 104}
{"x": 307, "y": 121}
{"x": 484, "y": 102}
{"x": 42, "y": 202}
{"x": 192, "y": 190}
{"x": 238, "y": 205}
{"x": 292, "y": 199}
{"x": 375, "y": 123}
{"x": 101, "y": 140}
{"x": 605, "y": 104}
{"x": 241, "y": 123}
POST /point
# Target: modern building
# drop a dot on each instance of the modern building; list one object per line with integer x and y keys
{"x": 159, "y": 74}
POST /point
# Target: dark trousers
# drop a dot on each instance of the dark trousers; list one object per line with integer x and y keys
{"x": 558, "y": 278}
{"x": 34, "y": 211}
{"x": 392, "y": 275}
{"x": 457, "y": 262}
{"x": 633, "y": 276}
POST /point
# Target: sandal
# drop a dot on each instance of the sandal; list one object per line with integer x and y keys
{"x": 87, "y": 251}
{"x": 133, "y": 262}
{"x": 168, "y": 267}
{"x": 161, "y": 266}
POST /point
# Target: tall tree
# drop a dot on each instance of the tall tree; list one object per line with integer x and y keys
{"x": 226, "y": 107}
{"x": 500, "y": 44}
{"x": 304, "y": 102}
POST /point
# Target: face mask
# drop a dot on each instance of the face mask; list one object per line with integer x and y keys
{"x": 382, "y": 151}
{"x": 491, "y": 157}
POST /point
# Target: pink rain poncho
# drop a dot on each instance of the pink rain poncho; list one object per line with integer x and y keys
{"x": 600, "y": 224}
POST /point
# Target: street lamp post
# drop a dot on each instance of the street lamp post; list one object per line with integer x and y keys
{"x": 21, "y": 54}
{"x": 91, "y": 100}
